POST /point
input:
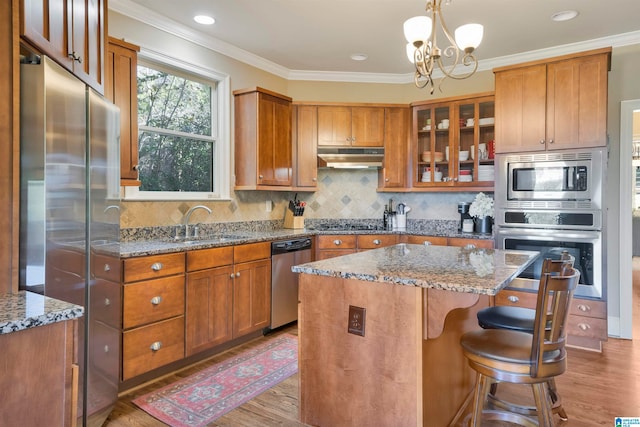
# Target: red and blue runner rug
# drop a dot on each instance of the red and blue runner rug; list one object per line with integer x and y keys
{"x": 204, "y": 396}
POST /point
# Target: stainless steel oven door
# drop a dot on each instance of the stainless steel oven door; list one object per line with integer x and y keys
{"x": 585, "y": 246}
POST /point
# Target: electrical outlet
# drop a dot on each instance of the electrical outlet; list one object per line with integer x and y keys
{"x": 356, "y": 320}
{"x": 268, "y": 206}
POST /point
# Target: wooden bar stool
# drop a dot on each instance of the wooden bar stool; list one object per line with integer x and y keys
{"x": 522, "y": 319}
{"x": 502, "y": 355}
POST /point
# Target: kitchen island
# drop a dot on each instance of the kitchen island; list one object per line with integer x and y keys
{"x": 379, "y": 332}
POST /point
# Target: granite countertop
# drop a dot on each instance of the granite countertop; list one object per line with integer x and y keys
{"x": 25, "y": 310}
{"x": 480, "y": 271}
{"x": 159, "y": 246}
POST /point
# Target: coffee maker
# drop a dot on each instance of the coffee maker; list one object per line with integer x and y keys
{"x": 463, "y": 210}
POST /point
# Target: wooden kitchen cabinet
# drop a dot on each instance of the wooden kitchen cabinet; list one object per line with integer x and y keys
{"x": 153, "y": 313}
{"x": 463, "y": 241}
{"x": 40, "y": 367}
{"x": 375, "y": 241}
{"x": 470, "y": 123}
{"x": 209, "y": 299}
{"x": 422, "y": 240}
{"x": 71, "y": 32}
{"x": 333, "y": 245}
{"x": 351, "y": 126}
{"x": 121, "y": 88}
{"x": 554, "y": 104}
{"x": 263, "y": 145}
{"x": 251, "y": 288}
{"x": 586, "y": 324}
{"x": 306, "y": 147}
{"x": 396, "y": 134}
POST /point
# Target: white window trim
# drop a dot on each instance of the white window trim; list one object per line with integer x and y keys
{"x": 223, "y": 138}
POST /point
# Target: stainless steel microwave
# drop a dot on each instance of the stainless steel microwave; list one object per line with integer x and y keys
{"x": 575, "y": 175}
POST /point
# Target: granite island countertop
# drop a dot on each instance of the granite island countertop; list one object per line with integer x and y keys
{"x": 470, "y": 270}
{"x": 24, "y": 310}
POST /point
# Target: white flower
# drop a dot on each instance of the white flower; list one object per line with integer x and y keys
{"x": 482, "y": 206}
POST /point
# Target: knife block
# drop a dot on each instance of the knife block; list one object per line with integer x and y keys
{"x": 291, "y": 221}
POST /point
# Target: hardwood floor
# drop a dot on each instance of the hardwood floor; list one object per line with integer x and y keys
{"x": 596, "y": 388}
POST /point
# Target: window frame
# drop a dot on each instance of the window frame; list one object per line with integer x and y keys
{"x": 220, "y": 131}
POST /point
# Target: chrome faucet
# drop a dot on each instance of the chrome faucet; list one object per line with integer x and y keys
{"x": 188, "y": 215}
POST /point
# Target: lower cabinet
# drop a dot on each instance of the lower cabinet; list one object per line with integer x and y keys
{"x": 587, "y": 322}
{"x": 228, "y": 294}
{"x": 334, "y": 245}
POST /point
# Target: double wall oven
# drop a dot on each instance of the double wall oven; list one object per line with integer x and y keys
{"x": 552, "y": 202}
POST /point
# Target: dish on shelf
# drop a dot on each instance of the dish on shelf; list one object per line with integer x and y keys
{"x": 464, "y": 155}
{"x": 487, "y": 121}
{"x": 465, "y": 178}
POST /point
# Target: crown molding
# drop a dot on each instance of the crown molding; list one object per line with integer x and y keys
{"x": 154, "y": 19}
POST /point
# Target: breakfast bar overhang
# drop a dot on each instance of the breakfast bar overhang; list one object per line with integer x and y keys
{"x": 406, "y": 368}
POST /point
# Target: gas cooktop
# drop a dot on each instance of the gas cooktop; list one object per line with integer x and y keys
{"x": 347, "y": 227}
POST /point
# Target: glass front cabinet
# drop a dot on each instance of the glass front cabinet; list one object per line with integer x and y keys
{"x": 453, "y": 144}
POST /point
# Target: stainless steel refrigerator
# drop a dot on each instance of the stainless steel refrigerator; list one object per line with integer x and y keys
{"x": 70, "y": 219}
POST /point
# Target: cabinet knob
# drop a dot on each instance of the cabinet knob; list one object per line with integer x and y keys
{"x": 337, "y": 242}
{"x": 156, "y": 300}
{"x": 584, "y": 307}
{"x": 314, "y": 179}
{"x": 261, "y": 176}
{"x": 106, "y": 349}
{"x": 135, "y": 168}
{"x": 107, "y": 302}
{"x": 551, "y": 141}
{"x": 542, "y": 141}
{"x": 376, "y": 242}
{"x": 156, "y": 266}
{"x": 584, "y": 326}
{"x": 514, "y": 299}
{"x": 107, "y": 267}
{"x": 386, "y": 180}
{"x": 156, "y": 346}
{"x": 353, "y": 139}
{"x": 426, "y": 243}
{"x": 238, "y": 274}
{"x": 232, "y": 275}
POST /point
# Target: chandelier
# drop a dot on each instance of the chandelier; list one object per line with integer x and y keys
{"x": 423, "y": 50}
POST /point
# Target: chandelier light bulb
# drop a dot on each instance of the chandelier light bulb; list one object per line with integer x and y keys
{"x": 417, "y": 28}
{"x": 469, "y": 36}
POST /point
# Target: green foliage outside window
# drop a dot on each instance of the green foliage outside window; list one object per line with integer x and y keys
{"x": 176, "y": 148}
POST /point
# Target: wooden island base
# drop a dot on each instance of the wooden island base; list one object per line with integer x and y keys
{"x": 407, "y": 370}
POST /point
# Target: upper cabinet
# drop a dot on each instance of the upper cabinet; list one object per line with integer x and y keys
{"x": 305, "y": 147}
{"x": 263, "y": 148}
{"x": 554, "y": 104}
{"x": 120, "y": 87}
{"x": 71, "y": 32}
{"x": 451, "y": 144}
{"x": 351, "y": 126}
{"x": 396, "y": 136}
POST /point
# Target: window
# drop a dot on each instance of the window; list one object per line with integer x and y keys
{"x": 183, "y": 139}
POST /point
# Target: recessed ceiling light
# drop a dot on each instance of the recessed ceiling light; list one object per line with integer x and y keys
{"x": 204, "y": 19}
{"x": 565, "y": 15}
{"x": 359, "y": 56}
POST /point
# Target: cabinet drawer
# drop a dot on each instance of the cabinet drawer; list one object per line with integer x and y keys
{"x": 332, "y": 253}
{"x": 251, "y": 252}
{"x": 588, "y": 308}
{"x": 153, "y": 266}
{"x": 589, "y": 327}
{"x": 341, "y": 241}
{"x": 372, "y": 241}
{"x": 105, "y": 349}
{"x": 420, "y": 240}
{"x": 462, "y": 242}
{"x": 152, "y": 346}
{"x": 517, "y": 298}
{"x": 106, "y": 267}
{"x": 209, "y": 258}
{"x": 153, "y": 300}
{"x": 106, "y": 302}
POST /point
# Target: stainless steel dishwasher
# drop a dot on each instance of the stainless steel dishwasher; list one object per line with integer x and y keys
{"x": 284, "y": 282}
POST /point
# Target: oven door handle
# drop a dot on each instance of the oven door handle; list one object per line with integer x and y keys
{"x": 548, "y": 235}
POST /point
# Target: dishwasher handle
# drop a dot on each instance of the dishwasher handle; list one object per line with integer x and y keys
{"x": 285, "y": 246}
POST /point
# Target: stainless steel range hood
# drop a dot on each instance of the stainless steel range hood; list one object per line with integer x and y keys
{"x": 350, "y": 157}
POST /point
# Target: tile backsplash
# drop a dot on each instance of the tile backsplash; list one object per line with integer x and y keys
{"x": 340, "y": 194}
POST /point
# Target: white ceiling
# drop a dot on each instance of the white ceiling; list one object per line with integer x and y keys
{"x": 317, "y": 37}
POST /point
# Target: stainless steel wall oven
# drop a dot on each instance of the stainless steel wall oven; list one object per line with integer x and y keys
{"x": 550, "y": 202}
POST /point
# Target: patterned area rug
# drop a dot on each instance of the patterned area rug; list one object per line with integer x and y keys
{"x": 202, "y": 397}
